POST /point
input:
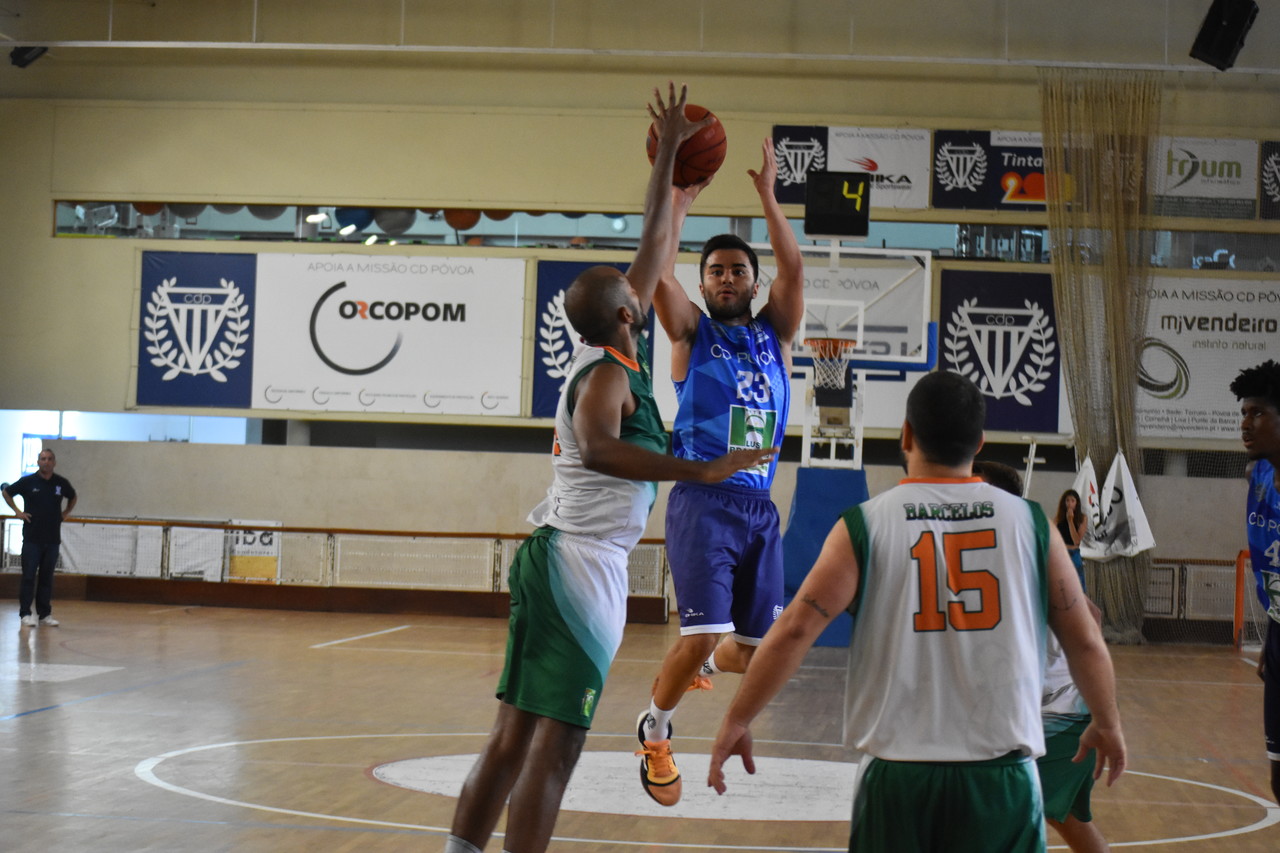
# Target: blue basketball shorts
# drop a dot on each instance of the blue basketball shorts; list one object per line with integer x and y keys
{"x": 725, "y": 552}
{"x": 1271, "y": 689}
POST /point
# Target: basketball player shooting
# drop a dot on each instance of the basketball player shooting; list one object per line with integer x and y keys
{"x": 731, "y": 371}
{"x": 569, "y": 579}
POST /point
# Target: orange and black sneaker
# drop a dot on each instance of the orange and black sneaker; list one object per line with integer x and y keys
{"x": 658, "y": 773}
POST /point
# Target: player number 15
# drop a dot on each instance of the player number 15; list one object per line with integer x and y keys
{"x": 932, "y": 616}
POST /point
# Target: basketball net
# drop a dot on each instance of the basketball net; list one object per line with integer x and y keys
{"x": 830, "y": 361}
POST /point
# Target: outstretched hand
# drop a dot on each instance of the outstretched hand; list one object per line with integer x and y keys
{"x": 724, "y": 467}
{"x": 1111, "y": 751}
{"x": 668, "y": 115}
{"x": 733, "y": 739}
{"x": 764, "y": 179}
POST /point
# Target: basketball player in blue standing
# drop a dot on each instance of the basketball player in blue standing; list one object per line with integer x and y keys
{"x": 569, "y": 579}
{"x": 731, "y": 371}
{"x": 1258, "y": 390}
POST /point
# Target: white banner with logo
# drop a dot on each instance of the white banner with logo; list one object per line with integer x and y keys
{"x": 1213, "y": 178}
{"x": 896, "y": 158}
{"x": 1200, "y": 334}
{"x": 418, "y": 335}
{"x": 1118, "y": 525}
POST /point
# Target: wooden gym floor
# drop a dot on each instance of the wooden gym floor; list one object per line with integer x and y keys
{"x": 142, "y": 727}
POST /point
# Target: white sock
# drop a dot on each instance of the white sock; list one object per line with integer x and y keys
{"x": 454, "y": 844}
{"x": 658, "y": 722}
{"x": 709, "y": 667}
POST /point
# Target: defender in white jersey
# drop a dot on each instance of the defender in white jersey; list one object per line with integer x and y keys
{"x": 952, "y": 584}
{"x": 1066, "y": 783}
{"x": 569, "y": 579}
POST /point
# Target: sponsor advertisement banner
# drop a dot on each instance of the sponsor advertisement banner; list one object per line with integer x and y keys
{"x": 1000, "y": 330}
{"x": 1210, "y": 178}
{"x": 333, "y": 333}
{"x": 1200, "y": 334}
{"x": 1269, "y": 180}
{"x": 358, "y": 333}
{"x": 988, "y": 170}
{"x": 897, "y": 160}
{"x": 197, "y": 330}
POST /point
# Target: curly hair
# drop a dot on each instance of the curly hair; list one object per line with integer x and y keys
{"x": 1261, "y": 381}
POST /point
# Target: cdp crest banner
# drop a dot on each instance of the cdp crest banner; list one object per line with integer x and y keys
{"x": 999, "y": 330}
{"x": 196, "y": 330}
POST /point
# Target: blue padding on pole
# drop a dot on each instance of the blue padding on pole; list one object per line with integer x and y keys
{"x": 821, "y": 495}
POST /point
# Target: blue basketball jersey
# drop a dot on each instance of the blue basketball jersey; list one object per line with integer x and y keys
{"x": 1263, "y": 517}
{"x": 735, "y": 395}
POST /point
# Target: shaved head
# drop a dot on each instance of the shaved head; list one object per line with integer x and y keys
{"x": 591, "y": 303}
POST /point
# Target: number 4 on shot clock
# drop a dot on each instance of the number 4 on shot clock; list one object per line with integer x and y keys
{"x": 837, "y": 204}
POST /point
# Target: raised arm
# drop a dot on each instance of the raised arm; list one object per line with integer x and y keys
{"x": 1074, "y": 625}
{"x": 827, "y": 591}
{"x": 603, "y": 398}
{"x": 677, "y": 314}
{"x": 652, "y": 259}
{"x": 785, "y": 306}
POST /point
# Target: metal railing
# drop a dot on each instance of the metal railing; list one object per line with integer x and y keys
{"x": 227, "y": 552}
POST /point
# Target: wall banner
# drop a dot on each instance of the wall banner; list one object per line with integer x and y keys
{"x": 1200, "y": 334}
{"x": 896, "y": 158}
{"x": 1210, "y": 178}
{"x": 800, "y": 149}
{"x": 336, "y": 333}
{"x": 1269, "y": 180}
{"x": 988, "y": 170}
{"x": 197, "y": 331}
{"x": 1000, "y": 330}
{"x": 554, "y": 339}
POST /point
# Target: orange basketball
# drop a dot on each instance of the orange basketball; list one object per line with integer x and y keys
{"x": 700, "y": 155}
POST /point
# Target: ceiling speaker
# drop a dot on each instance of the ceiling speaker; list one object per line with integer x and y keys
{"x": 1222, "y": 34}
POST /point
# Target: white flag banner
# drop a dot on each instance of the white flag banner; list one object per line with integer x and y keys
{"x": 1086, "y": 486}
{"x": 1118, "y": 525}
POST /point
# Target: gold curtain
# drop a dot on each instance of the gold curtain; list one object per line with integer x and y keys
{"x": 1100, "y": 128}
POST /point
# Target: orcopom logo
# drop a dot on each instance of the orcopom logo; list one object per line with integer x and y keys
{"x": 349, "y": 371}
{"x": 196, "y": 315}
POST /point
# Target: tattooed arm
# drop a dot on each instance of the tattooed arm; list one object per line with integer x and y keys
{"x": 826, "y": 592}
{"x": 1073, "y": 623}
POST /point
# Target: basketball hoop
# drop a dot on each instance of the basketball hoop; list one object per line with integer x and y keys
{"x": 830, "y": 361}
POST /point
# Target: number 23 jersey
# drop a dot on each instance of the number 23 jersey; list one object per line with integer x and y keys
{"x": 735, "y": 395}
{"x": 948, "y": 649}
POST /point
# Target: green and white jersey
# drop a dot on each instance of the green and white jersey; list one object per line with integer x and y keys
{"x": 1062, "y": 706}
{"x": 947, "y": 654}
{"x": 589, "y": 503}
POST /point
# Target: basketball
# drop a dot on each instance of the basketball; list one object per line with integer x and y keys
{"x": 700, "y": 155}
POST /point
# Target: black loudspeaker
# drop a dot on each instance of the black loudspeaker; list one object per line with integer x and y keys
{"x": 1222, "y": 34}
{"x": 24, "y": 56}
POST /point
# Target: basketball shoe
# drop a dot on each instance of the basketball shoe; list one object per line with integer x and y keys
{"x": 658, "y": 773}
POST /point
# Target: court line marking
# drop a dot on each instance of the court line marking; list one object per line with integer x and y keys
{"x": 360, "y": 637}
{"x": 145, "y": 770}
{"x": 143, "y": 686}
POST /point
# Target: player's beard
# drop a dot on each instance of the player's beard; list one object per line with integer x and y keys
{"x": 727, "y": 312}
